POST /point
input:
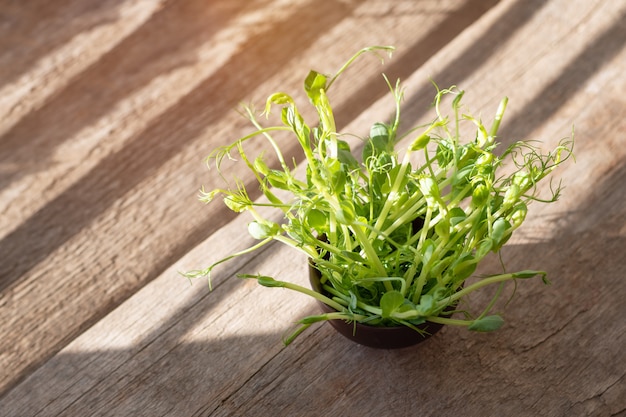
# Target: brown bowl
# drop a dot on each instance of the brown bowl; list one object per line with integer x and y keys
{"x": 379, "y": 337}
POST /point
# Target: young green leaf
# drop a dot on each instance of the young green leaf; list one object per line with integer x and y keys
{"x": 483, "y": 248}
{"x": 316, "y": 219}
{"x": 379, "y": 142}
{"x": 344, "y": 155}
{"x": 457, "y": 215}
{"x": 261, "y": 166}
{"x": 277, "y": 98}
{"x": 263, "y": 230}
{"x": 499, "y": 234}
{"x": 428, "y": 248}
{"x": 519, "y": 214}
{"x": 390, "y": 302}
{"x": 313, "y": 83}
{"x": 235, "y": 204}
{"x": 419, "y": 143}
{"x": 464, "y": 267}
{"x": 528, "y": 274}
{"x": 278, "y": 179}
{"x": 379, "y": 134}
{"x": 480, "y": 195}
{"x": 266, "y": 281}
{"x": 486, "y": 324}
{"x": 442, "y": 228}
{"x": 426, "y": 305}
{"x": 346, "y": 213}
{"x": 336, "y": 175}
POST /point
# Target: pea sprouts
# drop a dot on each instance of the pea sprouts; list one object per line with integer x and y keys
{"x": 394, "y": 240}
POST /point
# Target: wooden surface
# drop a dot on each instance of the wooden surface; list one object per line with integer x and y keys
{"x": 108, "y": 109}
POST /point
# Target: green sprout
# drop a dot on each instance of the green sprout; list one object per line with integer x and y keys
{"x": 394, "y": 240}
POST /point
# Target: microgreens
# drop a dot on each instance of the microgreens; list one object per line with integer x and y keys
{"x": 393, "y": 239}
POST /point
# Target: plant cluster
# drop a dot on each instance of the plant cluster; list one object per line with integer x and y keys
{"x": 394, "y": 233}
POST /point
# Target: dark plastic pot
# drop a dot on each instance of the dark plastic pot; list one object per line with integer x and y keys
{"x": 375, "y": 336}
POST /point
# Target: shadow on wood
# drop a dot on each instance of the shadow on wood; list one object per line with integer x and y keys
{"x": 546, "y": 360}
{"x": 119, "y": 172}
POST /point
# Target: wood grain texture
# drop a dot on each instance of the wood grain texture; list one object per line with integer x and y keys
{"x": 108, "y": 119}
{"x": 97, "y": 321}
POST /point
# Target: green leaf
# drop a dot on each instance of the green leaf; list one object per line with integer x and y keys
{"x": 427, "y": 250}
{"x": 480, "y": 195}
{"x": 519, "y": 214}
{"x": 430, "y": 190}
{"x": 380, "y": 142}
{"x": 353, "y": 256}
{"x": 336, "y": 175}
{"x": 457, "y": 215}
{"x": 263, "y": 230}
{"x": 483, "y": 248}
{"x": 353, "y": 301}
{"x": 379, "y": 132}
{"x": 445, "y": 154}
{"x": 316, "y": 219}
{"x": 388, "y": 177}
{"x": 344, "y": 154}
{"x": 486, "y": 324}
{"x": 443, "y": 228}
{"x": 499, "y": 233}
{"x": 420, "y": 143}
{"x": 279, "y": 98}
{"x": 512, "y": 195}
{"x": 465, "y": 268}
{"x": 313, "y": 83}
{"x": 292, "y": 118}
{"x": 235, "y": 204}
{"x": 417, "y": 321}
{"x": 278, "y": 179}
{"x": 390, "y": 302}
{"x": 346, "y": 214}
{"x": 522, "y": 179}
{"x": 528, "y": 274}
{"x": 267, "y": 281}
{"x": 406, "y": 306}
{"x": 426, "y": 305}
{"x": 261, "y": 166}
{"x": 457, "y": 100}
{"x": 462, "y": 176}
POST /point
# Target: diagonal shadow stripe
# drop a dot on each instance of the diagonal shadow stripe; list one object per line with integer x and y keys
{"x": 175, "y": 31}
{"x": 40, "y": 26}
{"x": 49, "y": 228}
{"x": 573, "y": 77}
{"x": 88, "y": 197}
{"x": 466, "y": 63}
{"x": 463, "y": 65}
{"x": 66, "y": 215}
{"x": 410, "y": 60}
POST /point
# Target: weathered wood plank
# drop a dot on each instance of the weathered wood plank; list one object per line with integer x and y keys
{"x": 182, "y": 351}
{"x": 108, "y": 119}
{"x": 561, "y": 352}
